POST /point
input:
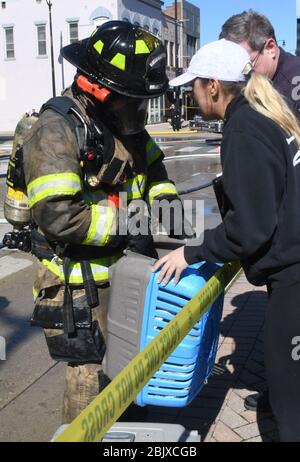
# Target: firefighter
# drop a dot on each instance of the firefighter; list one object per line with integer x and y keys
{"x": 87, "y": 147}
{"x": 175, "y": 118}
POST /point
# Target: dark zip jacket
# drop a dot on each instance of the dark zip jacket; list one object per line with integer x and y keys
{"x": 261, "y": 181}
{"x": 287, "y": 80}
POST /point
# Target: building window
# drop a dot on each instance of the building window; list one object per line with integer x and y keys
{"x": 191, "y": 47}
{"x": 146, "y": 27}
{"x": 73, "y": 28}
{"x": 155, "y": 31}
{"x": 3, "y": 5}
{"x": 9, "y": 39}
{"x": 167, "y": 50}
{"x": 136, "y": 23}
{"x": 171, "y": 54}
{"x": 41, "y": 36}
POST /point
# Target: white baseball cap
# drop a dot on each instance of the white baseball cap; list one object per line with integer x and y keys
{"x": 220, "y": 60}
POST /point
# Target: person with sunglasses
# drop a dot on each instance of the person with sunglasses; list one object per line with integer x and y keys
{"x": 255, "y": 33}
{"x": 260, "y": 157}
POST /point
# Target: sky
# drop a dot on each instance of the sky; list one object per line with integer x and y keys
{"x": 281, "y": 13}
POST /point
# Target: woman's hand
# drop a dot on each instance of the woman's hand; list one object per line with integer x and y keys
{"x": 172, "y": 263}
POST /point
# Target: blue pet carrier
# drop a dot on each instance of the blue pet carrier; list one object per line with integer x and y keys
{"x": 140, "y": 308}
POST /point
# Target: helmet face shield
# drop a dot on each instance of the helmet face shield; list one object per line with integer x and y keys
{"x": 127, "y": 115}
{"x": 155, "y": 71}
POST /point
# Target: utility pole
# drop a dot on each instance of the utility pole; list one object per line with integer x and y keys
{"x": 52, "y": 53}
{"x": 177, "y": 108}
{"x": 61, "y": 60}
{"x": 176, "y": 52}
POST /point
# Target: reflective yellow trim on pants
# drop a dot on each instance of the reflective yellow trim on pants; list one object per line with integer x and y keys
{"x": 102, "y": 227}
{"x": 161, "y": 188}
{"x": 99, "y": 268}
{"x": 56, "y": 184}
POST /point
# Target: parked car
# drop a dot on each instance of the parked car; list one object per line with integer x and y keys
{"x": 215, "y": 126}
{"x": 195, "y": 122}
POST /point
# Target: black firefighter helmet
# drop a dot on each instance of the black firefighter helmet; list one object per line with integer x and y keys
{"x": 122, "y": 57}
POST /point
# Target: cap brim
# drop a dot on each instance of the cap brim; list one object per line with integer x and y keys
{"x": 75, "y": 53}
{"x": 182, "y": 79}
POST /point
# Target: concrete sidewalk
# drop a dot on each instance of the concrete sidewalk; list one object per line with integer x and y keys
{"x": 218, "y": 413}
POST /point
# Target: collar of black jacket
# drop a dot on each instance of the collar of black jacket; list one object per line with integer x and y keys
{"x": 282, "y": 58}
{"x": 233, "y": 106}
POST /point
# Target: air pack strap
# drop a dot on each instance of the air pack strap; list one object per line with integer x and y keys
{"x": 63, "y": 105}
{"x": 68, "y": 313}
{"x": 91, "y": 293}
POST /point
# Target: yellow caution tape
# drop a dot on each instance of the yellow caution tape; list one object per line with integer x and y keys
{"x": 191, "y": 107}
{"x": 97, "y": 418}
{"x": 183, "y": 105}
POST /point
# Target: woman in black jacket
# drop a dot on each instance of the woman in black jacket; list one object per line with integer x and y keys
{"x": 260, "y": 157}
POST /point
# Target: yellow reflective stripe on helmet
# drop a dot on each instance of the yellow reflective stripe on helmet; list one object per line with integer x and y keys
{"x": 119, "y": 60}
{"x": 99, "y": 269}
{"x": 94, "y": 32}
{"x": 141, "y": 47}
{"x": 161, "y": 188}
{"x": 99, "y": 46}
{"x": 102, "y": 225}
{"x": 56, "y": 184}
{"x": 152, "y": 152}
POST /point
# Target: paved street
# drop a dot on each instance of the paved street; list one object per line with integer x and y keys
{"x": 31, "y": 384}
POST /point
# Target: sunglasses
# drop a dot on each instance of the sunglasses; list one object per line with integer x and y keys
{"x": 254, "y": 61}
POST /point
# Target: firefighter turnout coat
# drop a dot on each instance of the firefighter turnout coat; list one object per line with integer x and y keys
{"x": 66, "y": 210}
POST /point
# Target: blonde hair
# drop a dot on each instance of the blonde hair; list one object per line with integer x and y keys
{"x": 263, "y": 97}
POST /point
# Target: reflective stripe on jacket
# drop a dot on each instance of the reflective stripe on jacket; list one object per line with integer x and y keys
{"x": 99, "y": 268}
{"x": 64, "y": 208}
